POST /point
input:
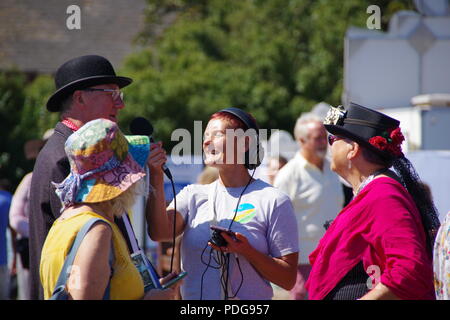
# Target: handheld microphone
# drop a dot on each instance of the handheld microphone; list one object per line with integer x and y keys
{"x": 142, "y": 127}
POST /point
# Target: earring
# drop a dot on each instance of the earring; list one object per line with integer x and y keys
{"x": 349, "y": 164}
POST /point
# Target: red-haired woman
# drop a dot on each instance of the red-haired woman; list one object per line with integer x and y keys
{"x": 262, "y": 246}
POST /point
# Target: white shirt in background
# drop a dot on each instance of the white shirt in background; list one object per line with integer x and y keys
{"x": 317, "y": 197}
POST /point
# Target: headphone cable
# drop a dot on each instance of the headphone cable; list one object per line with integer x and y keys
{"x": 227, "y": 261}
{"x": 240, "y": 196}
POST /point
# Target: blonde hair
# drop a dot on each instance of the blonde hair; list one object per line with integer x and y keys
{"x": 124, "y": 202}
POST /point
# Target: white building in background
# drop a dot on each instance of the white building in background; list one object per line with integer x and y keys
{"x": 405, "y": 73}
{"x": 412, "y": 58}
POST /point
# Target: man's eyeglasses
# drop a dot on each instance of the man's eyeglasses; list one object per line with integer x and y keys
{"x": 332, "y": 139}
{"x": 115, "y": 93}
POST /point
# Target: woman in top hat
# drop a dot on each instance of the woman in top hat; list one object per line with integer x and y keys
{"x": 263, "y": 244}
{"x": 386, "y": 231}
{"x": 106, "y": 174}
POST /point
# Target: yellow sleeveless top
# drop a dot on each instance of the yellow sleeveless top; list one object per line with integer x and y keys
{"x": 126, "y": 282}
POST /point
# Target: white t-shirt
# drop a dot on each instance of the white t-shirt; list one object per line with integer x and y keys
{"x": 265, "y": 216}
{"x": 317, "y": 197}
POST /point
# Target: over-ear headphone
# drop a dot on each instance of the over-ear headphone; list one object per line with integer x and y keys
{"x": 255, "y": 153}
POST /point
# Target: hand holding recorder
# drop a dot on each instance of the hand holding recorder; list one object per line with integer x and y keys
{"x": 228, "y": 241}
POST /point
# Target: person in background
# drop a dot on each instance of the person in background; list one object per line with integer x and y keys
{"x": 441, "y": 256}
{"x": 208, "y": 175}
{"x": 441, "y": 261}
{"x": 314, "y": 189}
{"x": 87, "y": 88}
{"x": 380, "y": 245}
{"x": 5, "y": 203}
{"x": 19, "y": 214}
{"x": 106, "y": 176}
{"x": 263, "y": 245}
{"x": 274, "y": 164}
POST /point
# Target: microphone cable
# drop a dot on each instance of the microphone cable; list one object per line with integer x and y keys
{"x": 240, "y": 196}
{"x": 222, "y": 259}
{"x": 174, "y": 224}
{"x": 229, "y": 228}
{"x": 208, "y": 265}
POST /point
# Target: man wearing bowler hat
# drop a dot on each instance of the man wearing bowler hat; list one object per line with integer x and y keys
{"x": 87, "y": 88}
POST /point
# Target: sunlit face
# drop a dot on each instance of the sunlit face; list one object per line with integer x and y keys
{"x": 339, "y": 152}
{"x": 101, "y": 104}
{"x": 215, "y": 144}
{"x": 316, "y": 142}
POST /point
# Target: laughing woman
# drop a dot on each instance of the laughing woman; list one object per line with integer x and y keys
{"x": 263, "y": 239}
{"x": 386, "y": 231}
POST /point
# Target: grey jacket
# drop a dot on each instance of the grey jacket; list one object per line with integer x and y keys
{"x": 51, "y": 165}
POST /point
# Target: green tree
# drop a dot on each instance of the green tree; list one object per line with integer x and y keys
{"x": 21, "y": 110}
{"x": 275, "y": 57}
{"x": 11, "y": 100}
{"x": 35, "y": 114}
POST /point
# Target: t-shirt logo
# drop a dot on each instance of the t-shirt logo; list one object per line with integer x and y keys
{"x": 245, "y": 213}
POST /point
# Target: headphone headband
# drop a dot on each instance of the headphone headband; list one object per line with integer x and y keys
{"x": 257, "y": 152}
{"x": 243, "y": 116}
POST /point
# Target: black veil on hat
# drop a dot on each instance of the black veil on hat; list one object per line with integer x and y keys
{"x": 81, "y": 73}
{"x": 372, "y": 129}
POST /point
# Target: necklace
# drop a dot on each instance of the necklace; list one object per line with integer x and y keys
{"x": 369, "y": 179}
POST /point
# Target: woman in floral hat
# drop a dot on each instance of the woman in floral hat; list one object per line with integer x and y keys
{"x": 106, "y": 173}
{"x": 380, "y": 245}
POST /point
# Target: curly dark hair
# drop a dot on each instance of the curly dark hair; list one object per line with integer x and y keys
{"x": 421, "y": 197}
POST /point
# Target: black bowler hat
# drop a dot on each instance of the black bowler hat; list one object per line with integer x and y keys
{"x": 372, "y": 129}
{"x": 81, "y": 73}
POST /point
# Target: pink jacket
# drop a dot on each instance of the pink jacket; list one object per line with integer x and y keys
{"x": 381, "y": 227}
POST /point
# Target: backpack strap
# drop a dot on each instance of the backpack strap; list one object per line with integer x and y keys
{"x": 65, "y": 271}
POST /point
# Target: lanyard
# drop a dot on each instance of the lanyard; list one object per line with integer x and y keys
{"x": 70, "y": 124}
{"x": 130, "y": 233}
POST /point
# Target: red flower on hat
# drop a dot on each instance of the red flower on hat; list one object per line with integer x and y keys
{"x": 392, "y": 144}
{"x": 397, "y": 137}
{"x": 379, "y": 142}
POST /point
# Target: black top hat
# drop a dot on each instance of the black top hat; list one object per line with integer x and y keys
{"x": 372, "y": 129}
{"x": 80, "y": 73}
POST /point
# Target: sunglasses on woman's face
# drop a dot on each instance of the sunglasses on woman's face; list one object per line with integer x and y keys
{"x": 333, "y": 138}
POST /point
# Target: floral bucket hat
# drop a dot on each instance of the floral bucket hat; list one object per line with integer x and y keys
{"x": 103, "y": 163}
